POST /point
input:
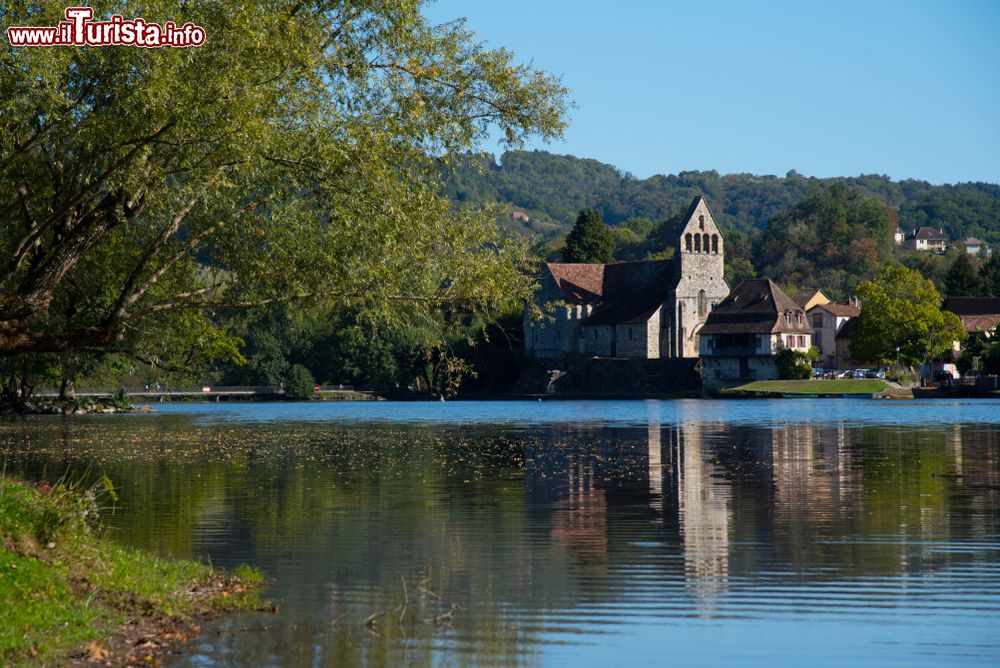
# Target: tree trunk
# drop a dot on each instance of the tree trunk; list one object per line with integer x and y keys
{"x": 67, "y": 391}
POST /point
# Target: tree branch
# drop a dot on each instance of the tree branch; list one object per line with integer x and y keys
{"x": 131, "y": 291}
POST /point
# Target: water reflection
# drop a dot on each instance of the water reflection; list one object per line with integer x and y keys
{"x": 570, "y": 542}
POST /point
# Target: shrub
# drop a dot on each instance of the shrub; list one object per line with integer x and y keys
{"x": 793, "y": 365}
{"x": 120, "y": 399}
{"x": 300, "y": 383}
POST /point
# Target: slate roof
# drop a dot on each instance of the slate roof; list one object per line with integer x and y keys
{"x": 972, "y": 305}
{"x": 755, "y": 307}
{"x": 628, "y": 292}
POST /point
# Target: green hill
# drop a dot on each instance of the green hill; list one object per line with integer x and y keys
{"x": 551, "y": 189}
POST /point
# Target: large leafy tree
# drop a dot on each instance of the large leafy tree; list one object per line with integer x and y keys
{"x": 293, "y": 156}
{"x": 901, "y": 318}
{"x": 589, "y": 240}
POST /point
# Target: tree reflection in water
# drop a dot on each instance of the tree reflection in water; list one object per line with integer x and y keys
{"x": 560, "y": 540}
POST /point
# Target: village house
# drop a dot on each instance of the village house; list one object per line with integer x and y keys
{"x": 806, "y": 299}
{"x": 842, "y": 345}
{"x": 648, "y": 310}
{"x": 974, "y": 246}
{"x": 827, "y": 320}
{"x": 927, "y": 239}
{"x": 979, "y": 315}
{"x": 744, "y": 333}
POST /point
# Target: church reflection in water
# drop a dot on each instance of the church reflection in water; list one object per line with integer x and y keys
{"x": 733, "y": 500}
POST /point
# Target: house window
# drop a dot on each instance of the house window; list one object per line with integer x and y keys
{"x": 788, "y": 317}
{"x": 687, "y": 242}
{"x": 818, "y": 339}
{"x": 817, "y": 319}
{"x": 798, "y": 317}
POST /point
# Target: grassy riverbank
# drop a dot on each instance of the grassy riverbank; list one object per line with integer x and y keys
{"x": 810, "y": 387}
{"x": 69, "y": 596}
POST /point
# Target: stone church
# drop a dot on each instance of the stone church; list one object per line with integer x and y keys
{"x": 645, "y": 310}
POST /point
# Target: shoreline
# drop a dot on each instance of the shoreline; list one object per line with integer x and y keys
{"x": 74, "y": 597}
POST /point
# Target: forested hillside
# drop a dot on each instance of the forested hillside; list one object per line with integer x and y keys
{"x": 552, "y": 189}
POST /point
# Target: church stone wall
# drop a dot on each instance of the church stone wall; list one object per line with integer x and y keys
{"x": 671, "y": 332}
{"x": 700, "y": 282}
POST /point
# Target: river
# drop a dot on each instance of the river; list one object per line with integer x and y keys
{"x": 602, "y": 533}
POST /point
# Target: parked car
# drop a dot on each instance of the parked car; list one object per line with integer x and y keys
{"x": 859, "y": 373}
{"x": 875, "y": 373}
{"x": 818, "y": 372}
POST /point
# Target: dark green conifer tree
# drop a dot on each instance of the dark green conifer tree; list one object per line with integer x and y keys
{"x": 962, "y": 279}
{"x": 590, "y": 240}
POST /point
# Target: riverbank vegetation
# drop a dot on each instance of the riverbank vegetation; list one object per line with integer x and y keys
{"x": 294, "y": 158}
{"x": 68, "y": 594}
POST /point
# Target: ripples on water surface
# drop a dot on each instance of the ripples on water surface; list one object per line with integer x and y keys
{"x": 801, "y": 532}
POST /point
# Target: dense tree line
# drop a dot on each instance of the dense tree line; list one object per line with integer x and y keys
{"x": 292, "y": 158}
{"x": 552, "y": 189}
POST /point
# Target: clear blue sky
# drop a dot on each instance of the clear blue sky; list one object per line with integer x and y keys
{"x": 905, "y": 88}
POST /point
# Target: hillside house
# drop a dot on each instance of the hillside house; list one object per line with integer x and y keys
{"x": 927, "y": 239}
{"x": 744, "y": 333}
{"x": 974, "y": 246}
{"x": 649, "y": 310}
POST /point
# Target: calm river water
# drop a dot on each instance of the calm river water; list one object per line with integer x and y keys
{"x": 680, "y": 533}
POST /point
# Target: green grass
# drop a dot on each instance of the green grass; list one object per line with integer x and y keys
{"x": 837, "y": 386}
{"x": 62, "y": 584}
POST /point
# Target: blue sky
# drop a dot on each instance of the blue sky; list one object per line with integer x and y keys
{"x": 905, "y": 88}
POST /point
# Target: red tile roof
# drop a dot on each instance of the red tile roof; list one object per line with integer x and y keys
{"x": 929, "y": 234}
{"x": 978, "y": 314}
{"x": 627, "y": 292}
{"x": 842, "y": 310}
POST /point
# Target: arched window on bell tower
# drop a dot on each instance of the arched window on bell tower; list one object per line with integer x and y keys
{"x": 687, "y": 242}
{"x": 697, "y": 243}
{"x": 715, "y": 244}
